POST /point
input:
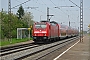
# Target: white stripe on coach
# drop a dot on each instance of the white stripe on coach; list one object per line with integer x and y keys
{"x": 40, "y": 32}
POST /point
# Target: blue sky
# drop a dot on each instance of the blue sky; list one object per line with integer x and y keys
{"x": 64, "y": 14}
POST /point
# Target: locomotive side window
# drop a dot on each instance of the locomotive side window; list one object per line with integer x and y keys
{"x": 40, "y": 26}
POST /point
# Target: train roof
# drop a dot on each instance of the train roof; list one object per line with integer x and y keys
{"x": 54, "y": 22}
{"x": 62, "y": 25}
{"x": 44, "y": 21}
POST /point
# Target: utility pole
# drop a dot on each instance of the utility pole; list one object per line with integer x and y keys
{"x": 69, "y": 23}
{"x": 47, "y": 14}
{"x": 81, "y": 20}
{"x": 48, "y": 19}
{"x": 40, "y": 17}
{"x": 29, "y": 26}
{"x": 69, "y": 20}
{"x": 9, "y": 18}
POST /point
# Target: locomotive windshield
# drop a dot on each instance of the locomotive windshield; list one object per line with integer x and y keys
{"x": 40, "y": 26}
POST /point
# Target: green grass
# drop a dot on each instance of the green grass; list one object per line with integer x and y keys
{"x": 13, "y": 41}
{"x": 89, "y": 34}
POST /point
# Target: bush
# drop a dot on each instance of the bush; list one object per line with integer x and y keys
{"x": 14, "y": 34}
{"x": 2, "y": 35}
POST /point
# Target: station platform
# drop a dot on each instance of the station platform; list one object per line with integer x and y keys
{"x": 80, "y": 51}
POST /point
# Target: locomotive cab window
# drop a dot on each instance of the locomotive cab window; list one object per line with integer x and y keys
{"x": 40, "y": 26}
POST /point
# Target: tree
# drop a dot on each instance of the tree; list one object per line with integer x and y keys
{"x": 20, "y": 12}
{"x": 27, "y": 18}
{"x": 15, "y": 23}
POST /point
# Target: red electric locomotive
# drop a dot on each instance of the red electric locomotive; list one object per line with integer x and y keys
{"x": 41, "y": 31}
{"x": 45, "y": 31}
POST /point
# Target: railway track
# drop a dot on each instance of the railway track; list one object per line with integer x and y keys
{"x": 4, "y": 49}
{"x": 14, "y": 50}
{"x": 40, "y": 55}
{"x": 30, "y": 50}
{"x": 17, "y": 48}
{"x": 51, "y": 50}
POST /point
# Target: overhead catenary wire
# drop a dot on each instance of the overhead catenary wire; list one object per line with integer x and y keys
{"x": 21, "y": 4}
{"x": 52, "y": 2}
{"x": 69, "y": 10}
{"x": 51, "y": 8}
{"x": 74, "y": 3}
{"x": 47, "y": 6}
{"x": 58, "y": 7}
{"x": 40, "y": 4}
{"x": 30, "y": 7}
{"x": 62, "y": 11}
